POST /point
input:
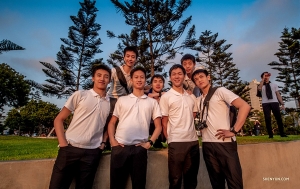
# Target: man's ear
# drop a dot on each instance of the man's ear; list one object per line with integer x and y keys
{"x": 208, "y": 77}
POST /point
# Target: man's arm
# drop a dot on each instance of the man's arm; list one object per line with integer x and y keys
{"x": 244, "y": 109}
{"x": 261, "y": 84}
{"x": 157, "y": 130}
{"x": 112, "y": 130}
{"x": 104, "y": 139}
{"x": 59, "y": 126}
{"x": 164, "y": 123}
{"x": 279, "y": 97}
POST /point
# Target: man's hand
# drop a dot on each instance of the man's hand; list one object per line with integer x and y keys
{"x": 145, "y": 145}
{"x": 223, "y": 133}
{"x": 282, "y": 107}
{"x": 102, "y": 146}
{"x": 114, "y": 142}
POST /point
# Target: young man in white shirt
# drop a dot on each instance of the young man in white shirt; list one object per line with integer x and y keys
{"x": 129, "y": 141}
{"x": 117, "y": 89}
{"x": 218, "y": 139}
{"x": 82, "y": 144}
{"x": 270, "y": 102}
{"x": 178, "y": 126}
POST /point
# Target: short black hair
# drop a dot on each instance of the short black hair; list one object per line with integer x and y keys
{"x": 197, "y": 72}
{"x": 157, "y": 76}
{"x": 101, "y": 67}
{"x": 138, "y": 68}
{"x": 175, "y": 66}
{"x": 131, "y": 48}
{"x": 188, "y": 57}
{"x": 261, "y": 76}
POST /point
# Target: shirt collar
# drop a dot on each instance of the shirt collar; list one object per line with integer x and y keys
{"x": 133, "y": 96}
{"x": 96, "y": 94}
{"x": 177, "y": 93}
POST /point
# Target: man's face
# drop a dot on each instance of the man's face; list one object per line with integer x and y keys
{"x": 130, "y": 58}
{"x": 201, "y": 80}
{"x": 101, "y": 79}
{"x": 267, "y": 77}
{"x": 189, "y": 66}
{"x": 157, "y": 84}
{"x": 177, "y": 77}
{"x": 138, "y": 80}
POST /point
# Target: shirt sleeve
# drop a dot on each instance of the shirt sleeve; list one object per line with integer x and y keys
{"x": 73, "y": 101}
{"x": 156, "y": 111}
{"x": 164, "y": 106}
{"x": 117, "y": 108}
{"x": 227, "y": 95}
{"x": 197, "y": 104}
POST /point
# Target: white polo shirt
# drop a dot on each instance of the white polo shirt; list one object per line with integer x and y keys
{"x": 179, "y": 109}
{"x": 134, "y": 115}
{"x": 264, "y": 98}
{"x": 87, "y": 125}
{"x": 116, "y": 89}
{"x": 218, "y": 114}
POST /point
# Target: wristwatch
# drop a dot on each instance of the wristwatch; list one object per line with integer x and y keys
{"x": 151, "y": 142}
{"x": 232, "y": 129}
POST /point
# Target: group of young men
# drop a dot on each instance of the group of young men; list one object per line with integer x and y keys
{"x": 128, "y": 111}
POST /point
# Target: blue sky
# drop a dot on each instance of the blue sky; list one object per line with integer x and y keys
{"x": 253, "y": 27}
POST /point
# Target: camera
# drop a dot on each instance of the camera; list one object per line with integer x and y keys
{"x": 201, "y": 125}
{"x": 268, "y": 74}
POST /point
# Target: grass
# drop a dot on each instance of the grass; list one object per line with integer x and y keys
{"x": 26, "y": 148}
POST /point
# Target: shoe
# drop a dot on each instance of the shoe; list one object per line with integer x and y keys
{"x": 270, "y": 136}
{"x": 283, "y": 135}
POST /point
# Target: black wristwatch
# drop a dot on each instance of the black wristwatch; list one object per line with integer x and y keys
{"x": 233, "y": 131}
{"x": 151, "y": 142}
{"x": 104, "y": 144}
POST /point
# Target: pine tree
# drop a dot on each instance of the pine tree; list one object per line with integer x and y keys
{"x": 213, "y": 55}
{"x": 7, "y": 45}
{"x": 75, "y": 58}
{"x": 154, "y": 31}
{"x": 288, "y": 66}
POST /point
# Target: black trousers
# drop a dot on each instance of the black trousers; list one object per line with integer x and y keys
{"x": 222, "y": 163}
{"x": 128, "y": 160}
{"x": 78, "y": 163}
{"x": 274, "y": 107}
{"x": 183, "y": 162}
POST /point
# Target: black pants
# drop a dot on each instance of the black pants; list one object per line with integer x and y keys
{"x": 183, "y": 161}
{"x": 274, "y": 107}
{"x": 222, "y": 163}
{"x": 78, "y": 163}
{"x": 128, "y": 160}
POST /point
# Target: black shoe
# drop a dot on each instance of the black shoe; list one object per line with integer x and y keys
{"x": 283, "y": 135}
{"x": 270, "y": 136}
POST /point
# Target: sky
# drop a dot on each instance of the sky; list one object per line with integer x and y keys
{"x": 253, "y": 27}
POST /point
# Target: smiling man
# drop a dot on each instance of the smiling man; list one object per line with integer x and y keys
{"x": 129, "y": 141}
{"x": 178, "y": 126}
{"x": 84, "y": 140}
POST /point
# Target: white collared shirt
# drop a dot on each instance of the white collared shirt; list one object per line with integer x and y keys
{"x": 179, "y": 109}
{"x": 218, "y": 114}
{"x": 90, "y": 114}
{"x": 134, "y": 115}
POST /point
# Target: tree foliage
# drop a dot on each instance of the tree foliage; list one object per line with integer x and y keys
{"x": 76, "y": 55}
{"x": 34, "y": 114}
{"x": 14, "y": 89}
{"x": 156, "y": 30}
{"x": 7, "y": 45}
{"x": 214, "y": 56}
{"x": 288, "y": 64}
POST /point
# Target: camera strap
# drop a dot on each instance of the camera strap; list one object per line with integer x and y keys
{"x": 206, "y": 100}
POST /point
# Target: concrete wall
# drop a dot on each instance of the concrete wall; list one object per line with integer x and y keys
{"x": 265, "y": 165}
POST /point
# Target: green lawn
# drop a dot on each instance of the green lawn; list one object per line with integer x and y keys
{"x": 26, "y": 148}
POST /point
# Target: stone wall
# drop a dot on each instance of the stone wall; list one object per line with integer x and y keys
{"x": 265, "y": 165}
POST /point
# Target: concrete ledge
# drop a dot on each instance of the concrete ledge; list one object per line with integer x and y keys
{"x": 265, "y": 165}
